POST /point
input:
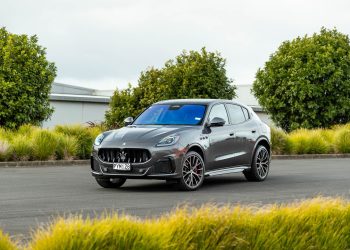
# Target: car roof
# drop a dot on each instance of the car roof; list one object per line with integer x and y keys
{"x": 195, "y": 101}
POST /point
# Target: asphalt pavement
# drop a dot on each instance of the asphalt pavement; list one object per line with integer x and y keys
{"x": 31, "y": 197}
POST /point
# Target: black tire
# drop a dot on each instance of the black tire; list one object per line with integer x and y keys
{"x": 260, "y": 165}
{"x": 192, "y": 172}
{"x": 111, "y": 183}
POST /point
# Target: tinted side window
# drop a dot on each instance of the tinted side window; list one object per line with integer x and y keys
{"x": 236, "y": 113}
{"x": 246, "y": 113}
{"x": 218, "y": 111}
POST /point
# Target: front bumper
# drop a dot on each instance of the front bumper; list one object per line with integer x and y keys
{"x": 165, "y": 163}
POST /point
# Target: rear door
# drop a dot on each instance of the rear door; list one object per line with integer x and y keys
{"x": 242, "y": 128}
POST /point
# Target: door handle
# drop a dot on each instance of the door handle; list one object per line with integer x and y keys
{"x": 253, "y": 131}
{"x": 232, "y": 134}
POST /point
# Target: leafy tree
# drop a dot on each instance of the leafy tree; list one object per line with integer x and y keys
{"x": 306, "y": 82}
{"x": 123, "y": 103}
{"x": 193, "y": 74}
{"x": 25, "y": 80}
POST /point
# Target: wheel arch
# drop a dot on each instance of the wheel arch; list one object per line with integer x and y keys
{"x": 196, "y": 148}
{"x": 264, "y": 141}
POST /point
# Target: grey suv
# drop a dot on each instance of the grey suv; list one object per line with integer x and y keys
{"x": 184, "y": 141}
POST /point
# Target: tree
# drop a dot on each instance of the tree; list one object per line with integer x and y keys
{"x": 124, "y": 103}
{"x": 25, "y": 80}
{"x": 306, "y": 82}
{"x": 193, "y": 74}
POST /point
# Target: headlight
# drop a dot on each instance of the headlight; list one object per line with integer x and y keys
{"x": 168, "y": 141}
{"x": 99, "y": 139}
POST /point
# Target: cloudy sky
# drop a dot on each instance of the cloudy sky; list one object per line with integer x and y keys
{"x": 107, "y": 43}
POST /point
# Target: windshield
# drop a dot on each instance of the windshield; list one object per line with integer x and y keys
{"x": 172, "y": 114}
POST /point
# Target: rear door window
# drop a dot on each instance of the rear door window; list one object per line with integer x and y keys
{"x": 236, "y": 113}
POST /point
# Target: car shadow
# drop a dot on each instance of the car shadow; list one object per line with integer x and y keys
{"x": 162, "y": 186}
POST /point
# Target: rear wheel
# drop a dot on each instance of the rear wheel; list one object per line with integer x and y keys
{"x": 111, "y": 183}
{"x": 192, "y": 172}
{"x": 260, "y": 165}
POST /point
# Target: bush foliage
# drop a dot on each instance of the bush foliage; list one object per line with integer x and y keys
{"x": 25, "y": 80}
{"x": 312, "y": 141}
{"x": 306, "y": 82}
{"x": 193, "y": 74}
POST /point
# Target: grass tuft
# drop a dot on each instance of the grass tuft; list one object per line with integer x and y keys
{"x": 342, "y": 140}
{"x": 85, "y": 137}
{"x": 67, "y": 147}
{"x": 21, "y": 148}
{"x": 278, "y": 141}
{"x": 44, "y": 145}
{"x": 6, "y": 243}
{"x": 4, "y": 150}
{"x": 319, "y": 223}
{"x": 312, "y": 141}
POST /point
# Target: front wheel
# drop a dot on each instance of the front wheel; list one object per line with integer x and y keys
{"x": 111, "y": 183}
{"x": 260, "y": 165}
{"x": 192, "y": 172}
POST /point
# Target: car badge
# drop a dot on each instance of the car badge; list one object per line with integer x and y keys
{"x": 124, "y": 143}
{"x": 122, "y": 156}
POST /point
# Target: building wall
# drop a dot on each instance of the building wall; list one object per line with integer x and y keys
{"x": 68, "y": 112}
{"x": 265, "y": 118}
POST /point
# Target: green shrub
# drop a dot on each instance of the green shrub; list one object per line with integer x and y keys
{"x": 21, "y": 148}
{"x": 306, "y": 82}
{"x": 6, "y": 243}
{"x": 314, "y": 224}
{"x": 44, "y": 145}
{"x": 67, "y": 147}
{"x": 25, "y": 80}
{"x": 278, "y": 141}
{"x": 85, "y": 137}
{"x": 342, "y": 140}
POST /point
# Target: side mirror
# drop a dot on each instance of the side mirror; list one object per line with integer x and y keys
{"x": 128, "y": 121}
{"x": 216, "y": 122}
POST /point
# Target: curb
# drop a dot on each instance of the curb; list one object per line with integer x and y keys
{"x": 66, "y": 163}
{"x": 58, "y": 163}
{"x": 309, "y": 156}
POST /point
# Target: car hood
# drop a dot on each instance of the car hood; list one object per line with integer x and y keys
{"x": 141, "y": 135}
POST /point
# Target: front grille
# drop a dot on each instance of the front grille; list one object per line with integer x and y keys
{"x": 128, "y": 155}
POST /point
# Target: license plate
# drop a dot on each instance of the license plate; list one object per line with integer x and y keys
{"x": 122, "y": 166}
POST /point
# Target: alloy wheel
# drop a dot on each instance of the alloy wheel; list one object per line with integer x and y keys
{"x": 193, "y": 171}
{"x": 262, "y": 162}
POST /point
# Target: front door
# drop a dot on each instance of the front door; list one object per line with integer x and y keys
{"x": 241, "y": 128}
{"x": 220, "y": 143}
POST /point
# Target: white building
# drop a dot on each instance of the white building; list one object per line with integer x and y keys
{"x": 78, "y": 105}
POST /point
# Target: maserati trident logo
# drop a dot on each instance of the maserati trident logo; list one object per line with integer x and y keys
{"x": 122, "y": 155}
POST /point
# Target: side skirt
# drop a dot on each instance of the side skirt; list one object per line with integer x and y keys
{"x": 226, "y": 171}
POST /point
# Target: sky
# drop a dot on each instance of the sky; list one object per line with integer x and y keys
{"x": 105, "y": 44}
